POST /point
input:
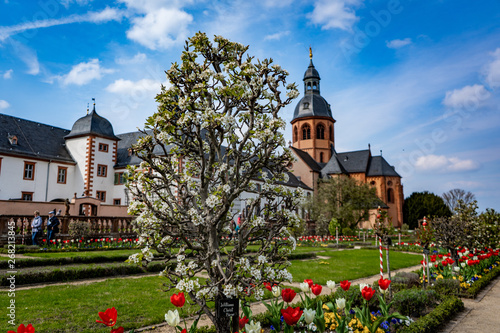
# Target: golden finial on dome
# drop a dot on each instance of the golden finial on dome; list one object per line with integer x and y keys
{"x": 310, "y": 53}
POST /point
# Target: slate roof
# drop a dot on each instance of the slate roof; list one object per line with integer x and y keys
{"x": 311, "y": 72}
{"x": 380, "y": 167}
{"x": 333, "y": 166}
{"x": 313, "y": 165}
{"x": 92, "y": 124}
{"x": 312, "y": 105}
{"x": 34, "y": 139}
{"x": 355, "y": 161}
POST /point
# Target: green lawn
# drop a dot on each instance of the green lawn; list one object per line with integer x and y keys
{"x": 348, "y": 265}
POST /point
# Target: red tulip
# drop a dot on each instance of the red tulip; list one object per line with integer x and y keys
{"x": 268, "y": 286}
{"x": 288, "y": 295}
{"x": 309, "y": 282}
{"x": 291, "y": 315}
{"x": 444, "y": 263}
{"x": 242, "y": 322}
{"x": 178, "y": 300}
{"x": 345, "y": 285}
{"x": 117, "y": 330}
{"x": 23, "y": 329}
{"x": 316, "y": 289}
{"x": 108, "y": 317}
{"x": 367, "y": 293}
{"x": 184, "y": 331}
{"x": 384, "y": 283}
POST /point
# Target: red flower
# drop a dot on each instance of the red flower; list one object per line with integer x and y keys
{"x": 184, "y": 331}
{"x": 268, "y": 286}
{"x": 117, "y": 330}
{"x": 288, "y": 295}
{"x": 384, "y": 283}
{"x": 367, "y": 293}
{"x": 243, "y": 322}
{"x": 23, "y": 329}
{"x": 291, "y": 315}
{"x": 444, "y": 263}
{"x": 440, "y": 256}
{"x": 345, "y": 285}
{"x": 178, "y": 300}
{"x": 316, "y": 289}
{"x": 309, "y": 282}
{"x": 108, "y": 317}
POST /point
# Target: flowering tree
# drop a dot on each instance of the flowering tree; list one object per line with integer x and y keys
{"x": 215, "y": 135}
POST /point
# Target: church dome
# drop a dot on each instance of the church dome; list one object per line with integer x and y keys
{"x": 92, "y": 124}
{"x": 312, "y": 105}
{"x": 311, "y": 72}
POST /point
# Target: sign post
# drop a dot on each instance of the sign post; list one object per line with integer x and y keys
{"x": 229, "y": 307}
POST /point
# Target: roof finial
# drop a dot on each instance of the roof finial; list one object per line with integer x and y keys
{"x": 87, "y": 108}
{"x": 369, "y": 146}
{"x": 380, "y": 152}
{"x": 310, "y": 53}
{"x": 93, "y": 100}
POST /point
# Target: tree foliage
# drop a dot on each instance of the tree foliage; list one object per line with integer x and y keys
{"x": 345, "y": 199}
{"x": 420, "y": 204}
{"x": 452, "y": 197}
{"x": 216, "y": 132}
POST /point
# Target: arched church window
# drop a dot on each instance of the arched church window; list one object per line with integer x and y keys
{"x": 320, "y": 132}
{"x": 331, "y": 133}
{"x": 314, "y": 86}
{"x": 309, "y": 86}
{"x": 390, "y": 195}
{"x": 306, "y": 132}
{"x": 372, "y": 183}
{"x": 295, "y": 134}
{"x": 320, "y": 157}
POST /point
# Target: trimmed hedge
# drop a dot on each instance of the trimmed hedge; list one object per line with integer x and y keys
{"x": 64, "y": 275}
{"x": 24, "y": 263}
{"x": 483, "y": 282}
{"x": 449, "y": 307}
{"x": 298, "y": 256}
{"x": 20, "y": 249}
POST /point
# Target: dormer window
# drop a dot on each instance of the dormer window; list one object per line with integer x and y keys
{"x": 306, "y": 105}
{"x": 12, "y": 140}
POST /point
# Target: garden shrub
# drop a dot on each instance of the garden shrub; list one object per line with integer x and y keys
{"x": 347, "y": 232}
{"x": 430, "y": 323}
{"x": 24, "y": 263}
{"x": 407, "y": 278}
{"x": 413, "y": 302}
{"x": 484, "y": 281}
{"x": 79, "y": 229}
{"x": 447, "y": 286}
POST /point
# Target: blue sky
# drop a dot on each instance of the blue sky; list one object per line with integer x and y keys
{"x": 419, "y": 80}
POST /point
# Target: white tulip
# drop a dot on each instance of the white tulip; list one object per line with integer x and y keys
{"x": 330, "y": 284}
{"x": 252, "y": 327}
{"x": 456, "y": 269}
{"x": 340, "y": 303}
{"x": 363, "y": 285}
{"x": 309, "y": 315}
{"x": 304, "y": 286}
{"x": 172, "y": 318}
{"x": 276, "y": 291}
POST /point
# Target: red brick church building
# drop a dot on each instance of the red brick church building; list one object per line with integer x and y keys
{"x": 314, "y": 146}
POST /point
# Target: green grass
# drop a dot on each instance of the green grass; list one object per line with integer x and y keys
{"x": 348, "y": 265}
{"x": 57, "y": 309}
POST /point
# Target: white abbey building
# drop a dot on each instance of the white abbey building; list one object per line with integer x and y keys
{"x": 43, "y": 163}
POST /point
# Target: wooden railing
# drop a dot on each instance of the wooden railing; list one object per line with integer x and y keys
{"x": 100, "y": 226}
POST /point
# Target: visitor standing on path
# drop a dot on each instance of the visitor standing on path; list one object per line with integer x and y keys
{"x": 52, "y": 226}
{"x": 36, "y": 227}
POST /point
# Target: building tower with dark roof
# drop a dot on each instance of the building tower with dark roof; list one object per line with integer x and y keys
{"x": 314, "y": 147}
{"x": 312, "y": 122}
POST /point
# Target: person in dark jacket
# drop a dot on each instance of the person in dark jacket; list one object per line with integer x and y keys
{"x": 52, "y": 226}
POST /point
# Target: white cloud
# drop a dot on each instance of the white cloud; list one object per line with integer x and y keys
{"x": 463, "y": 184}
{"x": 8, "y": 74}
{"x": 3, "y": 104}
{"x": 107, "y": 14}
{"x": 161, "y": 28}
{"x": 277, "y": 36}
{"x": 335, "y": 14}
{"x": 138, "y": 58}
{"x": 122, "y": 86}
{"x": 85, "y": 72}
{"x": 26, "y": 55}
{"x": 493, "y": 70}
{"x": 467, "y": 97}
{"x": 442, "y": 163}
{"x": 398, "y": 43}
